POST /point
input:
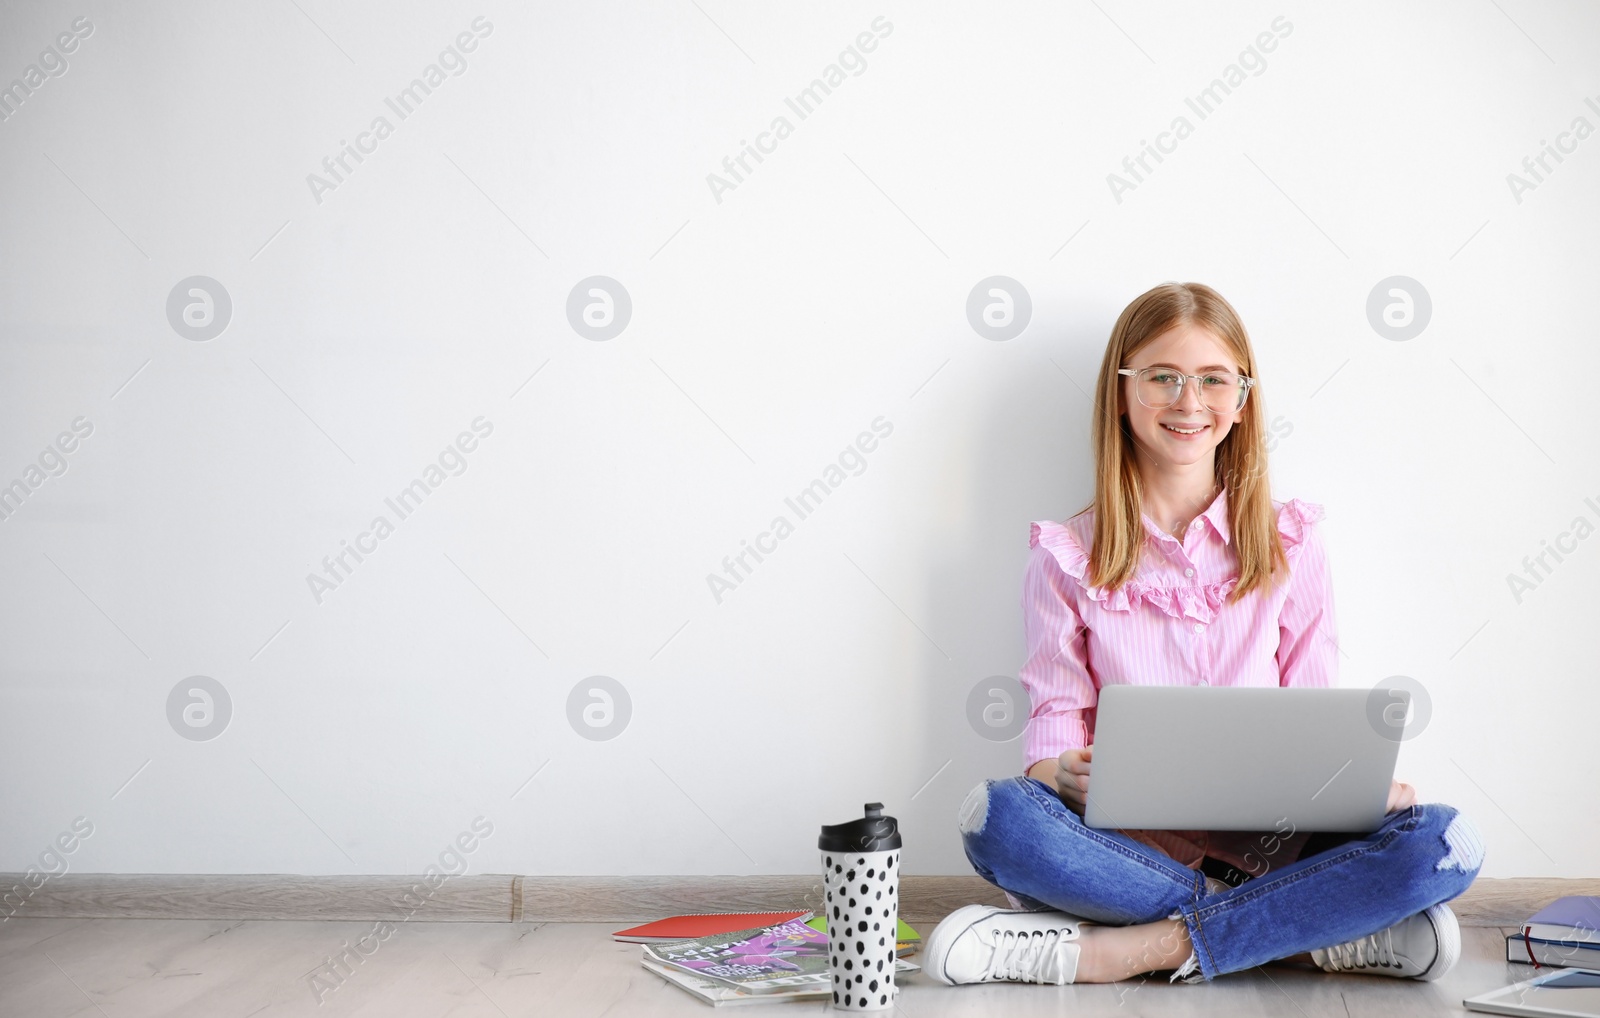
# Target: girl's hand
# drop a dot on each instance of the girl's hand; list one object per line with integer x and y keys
{"x": 1072, "y": 777}
{"x": 1401, "y": 796}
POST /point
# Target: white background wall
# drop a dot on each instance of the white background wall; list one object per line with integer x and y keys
{"x": 768, "y": 329}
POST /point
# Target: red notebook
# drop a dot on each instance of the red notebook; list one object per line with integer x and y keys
{"x": 688, "y": 927}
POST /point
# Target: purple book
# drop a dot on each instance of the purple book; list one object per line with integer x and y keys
{"x": 1573, "y": 919}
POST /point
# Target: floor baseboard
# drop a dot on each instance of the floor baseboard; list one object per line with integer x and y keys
{"x": 494, "y": 898}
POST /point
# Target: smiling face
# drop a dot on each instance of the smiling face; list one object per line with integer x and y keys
{"x": 1185, "y": 433}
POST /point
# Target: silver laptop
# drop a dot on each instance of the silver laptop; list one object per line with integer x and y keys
{"x": 1240, "y": 759}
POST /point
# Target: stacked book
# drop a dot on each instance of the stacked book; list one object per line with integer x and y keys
{"x": 1565, "y": 934}
{"x": 739, "y": 958}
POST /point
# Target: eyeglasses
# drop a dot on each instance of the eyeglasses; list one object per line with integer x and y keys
{"x": 1222, "y": 392}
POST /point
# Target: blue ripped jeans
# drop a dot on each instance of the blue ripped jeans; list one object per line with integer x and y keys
{"x": 1021, "y": 837}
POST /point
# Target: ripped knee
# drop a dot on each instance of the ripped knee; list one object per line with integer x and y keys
{"x": 1463, "y": 845}
{"x": 974, "y": 809}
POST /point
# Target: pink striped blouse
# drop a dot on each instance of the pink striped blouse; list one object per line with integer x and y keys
{"x": 1169, "y": 625}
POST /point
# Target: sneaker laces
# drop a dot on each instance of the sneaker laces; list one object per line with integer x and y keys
{"x": 1036, "y": 956}
{"x": 1368, "y": 952}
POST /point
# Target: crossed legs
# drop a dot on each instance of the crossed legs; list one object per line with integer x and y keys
{"x": 1152, "y": 913}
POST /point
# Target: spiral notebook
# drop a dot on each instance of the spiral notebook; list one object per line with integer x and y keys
{"x": 703, "y": 924}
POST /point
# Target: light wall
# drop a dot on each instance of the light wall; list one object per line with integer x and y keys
{"x": 776, "y": 316}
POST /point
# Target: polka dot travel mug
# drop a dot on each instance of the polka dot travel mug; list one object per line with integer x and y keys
{"x": 861, "y": 878}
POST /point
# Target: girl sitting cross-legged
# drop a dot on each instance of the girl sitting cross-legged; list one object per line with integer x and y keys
{"x": 1183, "y": 571}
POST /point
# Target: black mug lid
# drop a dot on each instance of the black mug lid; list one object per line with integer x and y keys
{"x": 874, "y": 832}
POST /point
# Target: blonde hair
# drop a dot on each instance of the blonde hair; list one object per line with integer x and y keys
{"x": 1241, "y": 458}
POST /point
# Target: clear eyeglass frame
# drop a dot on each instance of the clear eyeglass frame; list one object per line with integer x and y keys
{"x": 1245, "y": 385}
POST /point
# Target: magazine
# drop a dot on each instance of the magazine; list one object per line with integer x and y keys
{"x": 713, "y": 992}
{"x": 786, "y": 957}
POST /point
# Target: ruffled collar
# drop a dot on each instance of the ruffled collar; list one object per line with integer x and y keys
{"x": 1200, "y": 602}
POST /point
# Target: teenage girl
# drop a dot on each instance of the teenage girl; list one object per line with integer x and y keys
{"x": 1183, "y": 571}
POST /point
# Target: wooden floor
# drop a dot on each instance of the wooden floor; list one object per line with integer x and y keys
{"x": 129, "y": 968}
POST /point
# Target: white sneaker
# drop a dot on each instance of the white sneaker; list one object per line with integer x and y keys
{"x": 985, "y": 943}
{"x": 1424, "y": 946}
